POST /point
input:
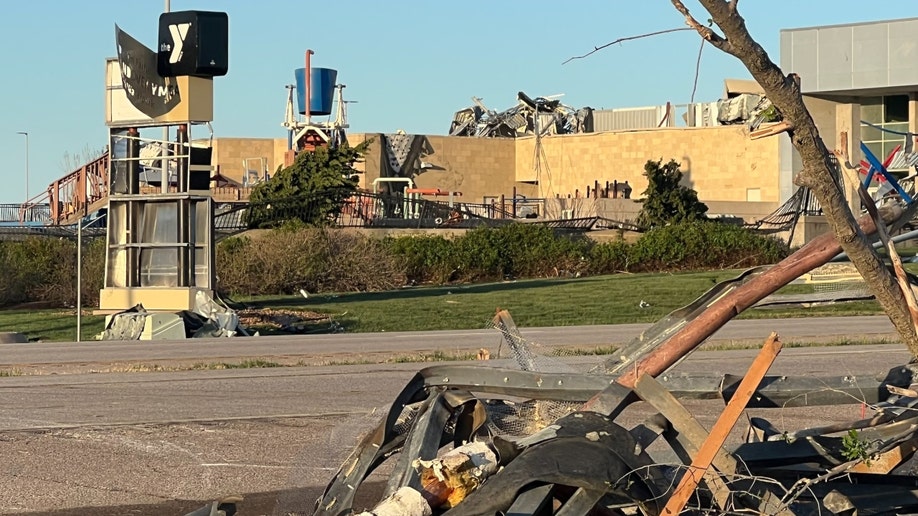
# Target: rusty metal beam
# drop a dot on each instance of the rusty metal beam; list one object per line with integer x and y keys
{"x": 722, "y": 427}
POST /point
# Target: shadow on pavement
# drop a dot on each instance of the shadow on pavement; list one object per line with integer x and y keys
{"x": 284, "y": 502}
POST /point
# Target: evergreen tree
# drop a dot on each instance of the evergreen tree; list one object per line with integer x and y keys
{"x": 310, "y": 191}
{"x": 666, "y": 201}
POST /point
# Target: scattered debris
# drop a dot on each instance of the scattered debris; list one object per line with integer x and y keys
{"x": 559, "y": 450}
{"x": 210, "y": 318}
{"x": 583, "y": 461}
{"x": 521, "y": 120}
{"x": 286, "y": 320}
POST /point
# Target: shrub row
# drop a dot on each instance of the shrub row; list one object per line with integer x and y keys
{"x": 43, "y": 270}
{"x": 689, "y": 246}
{"x": 529, "y": 250}
{"x": 286, "y": 260}
{"x": 516, "y": 250}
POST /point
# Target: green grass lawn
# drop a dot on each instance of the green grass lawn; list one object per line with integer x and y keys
{"x": 543, "y": 302}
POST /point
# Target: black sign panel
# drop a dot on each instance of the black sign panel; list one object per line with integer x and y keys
{"x": 193, "y": 43}
{"x": 150, "y": 93}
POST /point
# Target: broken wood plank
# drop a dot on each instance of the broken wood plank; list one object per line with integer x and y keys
{"x": 723, "y": 426}
{"x": 765, "y": 131}
{"x": 887, "y": 461}
{"x": 651, "y": 391}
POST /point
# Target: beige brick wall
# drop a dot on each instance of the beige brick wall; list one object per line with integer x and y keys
{"x": 372, "y": 163}
{"x": 720, "y": 163}
{"x": 477, "y": 167}
{"x": 230, "y": 153}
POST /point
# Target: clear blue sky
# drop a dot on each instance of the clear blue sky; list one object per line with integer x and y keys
{"x": 409, "y": 64}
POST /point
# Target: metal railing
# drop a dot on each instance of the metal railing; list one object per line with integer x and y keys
{"x": 13, "y": 214}
{"x": 69, "y": 198}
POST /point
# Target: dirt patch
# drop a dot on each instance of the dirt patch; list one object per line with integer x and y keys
{"x": 273, "y": 320}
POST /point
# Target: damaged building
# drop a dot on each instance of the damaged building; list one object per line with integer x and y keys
{"x": 528, "y": 117}
{"x": 731, "y": 149}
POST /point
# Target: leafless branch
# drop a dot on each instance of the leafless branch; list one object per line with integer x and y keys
{"x": 620, "y": 40}
{"x": 706, "y": 32}
{"x": 697, "y": 72}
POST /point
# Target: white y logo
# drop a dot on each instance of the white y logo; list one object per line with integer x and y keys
{"x": 178, "y": 31}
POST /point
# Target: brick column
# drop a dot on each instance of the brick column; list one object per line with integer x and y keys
{"x": 913, "y": 112}
{"x": 848, "y": 120}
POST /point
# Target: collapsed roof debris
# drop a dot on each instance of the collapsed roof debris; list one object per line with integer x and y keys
{"x": 520, "y": 120}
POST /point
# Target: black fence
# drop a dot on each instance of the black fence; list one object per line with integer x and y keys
{"x": 16, "y": 214}
{"x": 358, "y": 209}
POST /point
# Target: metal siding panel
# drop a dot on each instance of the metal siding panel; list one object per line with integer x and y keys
{"x": 903, "y": 53}
{"x": 602, "y": 121}
{"x": 870, "y": 51}
{"x": 786, "y": 56}
{"x": 623, "y": 119}
{"x": 834, "y": 67}
{"x": 805, "y": 59}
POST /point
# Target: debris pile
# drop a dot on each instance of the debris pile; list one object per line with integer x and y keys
{"x": 210, "y": 317}
{"x": 284, "y": 320}
{"x": 521, "y": 120}
{"x": 526, "y": 439}
{"x": 464, "y": 444}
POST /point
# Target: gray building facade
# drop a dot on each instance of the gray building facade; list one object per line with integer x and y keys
{"x": 861, "y": 79}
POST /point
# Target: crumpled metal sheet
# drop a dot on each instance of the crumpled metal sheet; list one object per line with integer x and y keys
{"x": 127, "y": 325}
{"x": 208, "y": 319}
{"x": 521, "y": 120}
{"x": 221, "y": 321}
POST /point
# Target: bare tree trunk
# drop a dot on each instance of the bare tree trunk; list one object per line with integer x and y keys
{"x": 784, "y": 93}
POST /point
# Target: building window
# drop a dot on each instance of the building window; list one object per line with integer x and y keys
{"x": 889, "y": 112}
{"x": 753, "y": 195}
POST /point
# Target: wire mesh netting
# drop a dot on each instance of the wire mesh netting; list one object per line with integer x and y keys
{"x": 835, "y": 278}
{"x": 525, "y": 417}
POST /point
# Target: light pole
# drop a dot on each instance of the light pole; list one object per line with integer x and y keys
{"x": 164, "y": 153}
{"x": 24, "y": 133}
{"x": 79, "y": 273}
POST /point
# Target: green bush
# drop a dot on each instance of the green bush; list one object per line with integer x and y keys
{"x": 487, "y": 254}
{"x": 283, "y": 261}
{"x": 534, "y": 250}
{"x": 425, "y": 258}
{"x": 479, "y": 255}
{"x": 43, "y": 270}
{"x": 609, "y": 257}
{"x": 702, "y": 245}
